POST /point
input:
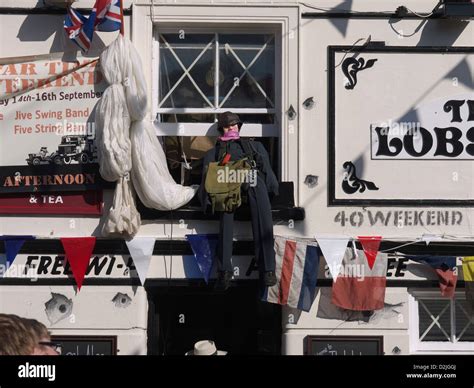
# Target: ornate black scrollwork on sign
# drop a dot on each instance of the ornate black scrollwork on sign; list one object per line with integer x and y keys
{"x": 352, "y": 184}
{"x": 351, "y": 66}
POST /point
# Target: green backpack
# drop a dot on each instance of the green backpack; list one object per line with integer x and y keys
{"x": 224, "y": 191}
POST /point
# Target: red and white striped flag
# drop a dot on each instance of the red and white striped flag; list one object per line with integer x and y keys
{"x": 297, "y": 263}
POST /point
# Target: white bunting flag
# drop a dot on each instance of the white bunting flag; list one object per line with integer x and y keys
{"x": 428, "y": 237}
{"x": 333, "y": 248}
{"x": 141, "y": 250}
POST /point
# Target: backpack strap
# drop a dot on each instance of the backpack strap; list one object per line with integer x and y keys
{"x": 221, "y": 150}
{"x": 250, "y": 152}
{"x": 248, "y": 148}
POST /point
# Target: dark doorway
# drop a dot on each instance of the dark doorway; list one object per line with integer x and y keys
{"x": 236, "y": 320}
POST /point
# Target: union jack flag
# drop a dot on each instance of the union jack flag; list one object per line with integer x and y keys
{"x": 105, "y": 16}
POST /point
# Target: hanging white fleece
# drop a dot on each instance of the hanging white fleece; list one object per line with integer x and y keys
{"x": 127, "y": 143}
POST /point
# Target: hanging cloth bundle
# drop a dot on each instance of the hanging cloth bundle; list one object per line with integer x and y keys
{"x": 127, "y": 145}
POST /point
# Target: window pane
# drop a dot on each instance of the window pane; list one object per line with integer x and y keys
{"x": 194, "y": 148}
{"x": 189, "y": 47}
{"x": 187, "y": 118}
{"x": 239, "y": 89}
{"x": 463, "y": 333}
{"x": 254, "y": 90}
{"x": 434, "y": 307}
{"x": 210, "y": 118}
{"x": 174, "y": 50}
{"x": 185, "y": 96}
{"x": 257, "y": 118}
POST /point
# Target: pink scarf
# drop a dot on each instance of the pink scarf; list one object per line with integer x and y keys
{"x": 230, "y": 135}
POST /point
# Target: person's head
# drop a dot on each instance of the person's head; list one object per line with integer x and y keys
{"x": 21, "y": 336}
{"x": 43, "y": 344}
{"x": 15, "y": 338}
{"x": 228, "y": 121}
{"x": 46, "y": 348}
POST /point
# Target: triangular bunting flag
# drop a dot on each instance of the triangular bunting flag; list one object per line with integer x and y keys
{"x": 370, "y": 245}
{"x": 13, "y": 245}
{"x": 78, "y": 253}
{"x": 141, "y": 250}
{"x": 445, "y": 268}
{"x": 468, "y": 275}
{"x": 204, "y": 247}
{"x": 428, "y": 237}
{"x": 333, "y": 248}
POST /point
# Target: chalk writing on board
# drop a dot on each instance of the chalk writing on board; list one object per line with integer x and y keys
{"x": 87, "y": 345}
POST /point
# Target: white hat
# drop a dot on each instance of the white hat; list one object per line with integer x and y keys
{"x": 205, "y": 348}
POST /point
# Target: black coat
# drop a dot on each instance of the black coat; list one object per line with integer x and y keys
{"x": 235, "y": 149}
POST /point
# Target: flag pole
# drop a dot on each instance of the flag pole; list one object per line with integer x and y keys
{"x": 121, "y": 18}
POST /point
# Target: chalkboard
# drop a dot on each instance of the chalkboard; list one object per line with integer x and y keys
{"x": 87, "y": 345}
{"x": 344, "y": 345}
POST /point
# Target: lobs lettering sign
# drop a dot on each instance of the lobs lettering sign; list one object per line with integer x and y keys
{"x": 397, "y": 115}
{"x": 412, "y": 141}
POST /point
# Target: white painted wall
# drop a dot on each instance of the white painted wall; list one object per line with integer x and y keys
{"x": 93, "y": 312}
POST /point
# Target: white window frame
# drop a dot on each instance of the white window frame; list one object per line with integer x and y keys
{"x": 284, "y": 18}
{"x": 203, "y": 129}
{"x": 432, "y": 347}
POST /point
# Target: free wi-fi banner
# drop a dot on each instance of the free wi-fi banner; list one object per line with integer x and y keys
{"x": 47, "y": 140}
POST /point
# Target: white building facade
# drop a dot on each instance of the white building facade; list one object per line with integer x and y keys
{"x": 318, "y": 82}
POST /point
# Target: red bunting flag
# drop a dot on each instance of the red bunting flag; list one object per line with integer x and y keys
{"x": 78, "y": 253}
{"x": 371, "y": 245}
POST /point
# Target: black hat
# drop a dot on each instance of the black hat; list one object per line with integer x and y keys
{"x": 227, "y": 119}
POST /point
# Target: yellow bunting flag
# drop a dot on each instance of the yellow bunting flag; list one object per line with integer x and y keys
{"x": 468, "y": 274}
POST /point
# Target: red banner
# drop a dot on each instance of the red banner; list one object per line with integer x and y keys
{"x": 65, "y": 203}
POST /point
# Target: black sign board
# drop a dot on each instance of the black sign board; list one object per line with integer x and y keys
{"x": 344, "y": 345}
{"x": 87, "y": 345}
{"x": 51, "y": 178}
